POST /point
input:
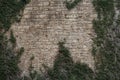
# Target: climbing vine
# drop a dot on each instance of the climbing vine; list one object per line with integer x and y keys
{"x": 71, "y": 4}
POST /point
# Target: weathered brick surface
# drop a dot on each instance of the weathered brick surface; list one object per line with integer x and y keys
{"x": 46, "y": 22}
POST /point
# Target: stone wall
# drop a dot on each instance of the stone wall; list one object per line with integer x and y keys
{"x": 46, "y": 22}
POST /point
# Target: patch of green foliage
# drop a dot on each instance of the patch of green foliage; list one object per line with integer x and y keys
{"x": 10, "y": 12}
{"x": 105, "y": 10}
{"x": 64, "y": 68}
{"x": 106, "y": 51}
{"x": 9, "y": 58}
{"x": 118, "y": 4}
{"x": 9, "y": 69}
{"x": 71, "y": 5}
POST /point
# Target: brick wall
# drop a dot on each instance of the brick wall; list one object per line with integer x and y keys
{"x": 46, "y": 22}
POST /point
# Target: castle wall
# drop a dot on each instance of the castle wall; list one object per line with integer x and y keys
{"x": 46, "y": 22}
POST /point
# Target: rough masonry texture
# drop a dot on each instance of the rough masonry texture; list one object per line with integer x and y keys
{"x": 46, "y": 22}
